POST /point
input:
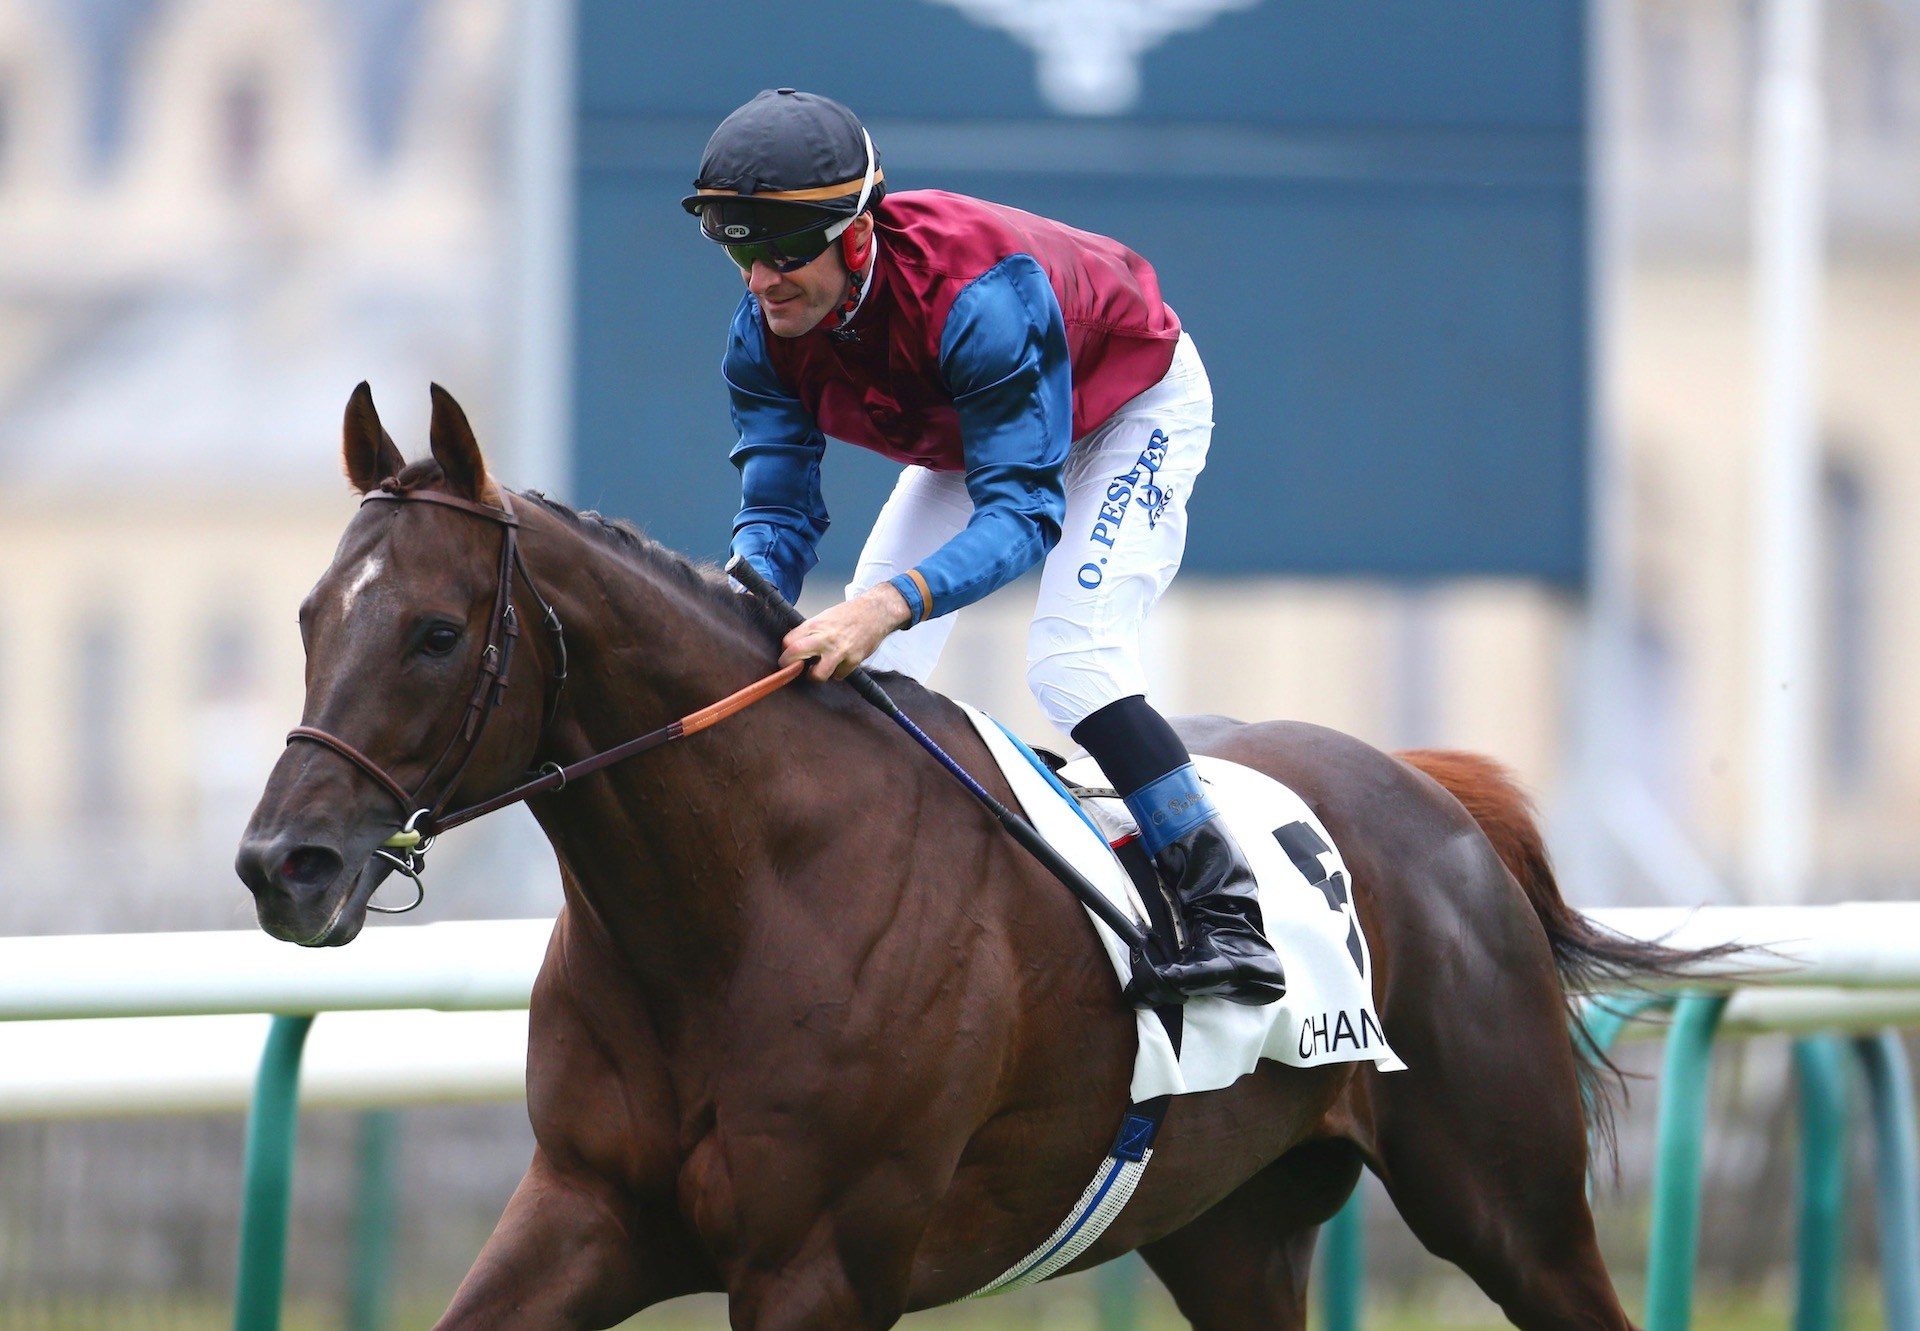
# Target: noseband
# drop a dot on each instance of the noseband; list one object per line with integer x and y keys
{"x": 406, "y": 849}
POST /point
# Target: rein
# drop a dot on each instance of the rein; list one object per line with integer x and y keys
{"x": 406, "y": 849}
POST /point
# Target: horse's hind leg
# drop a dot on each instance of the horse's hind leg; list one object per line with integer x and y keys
{"x": 1488, "y": 1202}
{"x": 1482, "y": 1145}
{"x": 1242, "y": 1266}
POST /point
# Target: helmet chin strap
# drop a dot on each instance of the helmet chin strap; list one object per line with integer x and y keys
{"x": 863, "y": 280}
{"x": 856, "y": 294}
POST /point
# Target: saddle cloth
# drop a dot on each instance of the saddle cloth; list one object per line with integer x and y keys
{"x": 1327, "y": 1015}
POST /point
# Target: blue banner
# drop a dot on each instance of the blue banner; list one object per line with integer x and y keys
{"x": 1371, "y": 216}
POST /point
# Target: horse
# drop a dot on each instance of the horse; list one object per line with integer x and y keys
{"x": 812, "y": 1030}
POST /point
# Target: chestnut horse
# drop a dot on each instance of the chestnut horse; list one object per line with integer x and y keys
{"x": 814, "y": 1031}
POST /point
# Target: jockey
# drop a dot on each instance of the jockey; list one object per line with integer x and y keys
{"x": 1049, "y": 411}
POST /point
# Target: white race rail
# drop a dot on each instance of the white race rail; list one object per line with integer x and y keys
{"x": 436, "y": 1013}
{"x": 1852, "y": 945}
{"x": 426, "y": 1014}
{"x": 465, "y": 966}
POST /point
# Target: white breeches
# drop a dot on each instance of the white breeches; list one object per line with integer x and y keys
{"x": 1125, "y": 530}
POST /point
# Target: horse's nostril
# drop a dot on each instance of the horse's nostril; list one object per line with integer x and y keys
{"x": 309, "y": 866}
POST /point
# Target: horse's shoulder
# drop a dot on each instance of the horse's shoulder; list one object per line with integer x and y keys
{"x": 598, "y": 1088}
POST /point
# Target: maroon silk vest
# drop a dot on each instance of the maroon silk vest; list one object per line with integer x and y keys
{"x": 882, "y": 388}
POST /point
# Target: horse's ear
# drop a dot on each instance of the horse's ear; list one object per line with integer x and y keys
{"x": 366, "y": 447}
{"x": 455, "y": 448}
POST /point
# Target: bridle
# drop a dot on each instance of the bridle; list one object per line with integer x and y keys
{"x": 406, "y": 849}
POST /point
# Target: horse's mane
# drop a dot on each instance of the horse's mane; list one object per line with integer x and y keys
{"x": 706, "y": 581}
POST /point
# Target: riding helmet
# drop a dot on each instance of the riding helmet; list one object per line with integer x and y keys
{"x": 785, "y": 162}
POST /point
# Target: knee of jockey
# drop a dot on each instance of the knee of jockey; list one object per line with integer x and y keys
{"x": 1071, "y": 685}
{"x": 1057, "y": 698}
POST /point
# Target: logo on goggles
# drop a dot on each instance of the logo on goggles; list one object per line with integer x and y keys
{"x": 738, "y": 232}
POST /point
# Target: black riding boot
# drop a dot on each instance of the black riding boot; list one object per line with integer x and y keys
{"x": 1225, "y": 954}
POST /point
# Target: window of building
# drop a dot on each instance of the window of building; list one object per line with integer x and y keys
{"x": 1752, "y": 38}
{"x": 243, "y": 131}
{"x": 1848, "y": 522}
{"x": 100, "y": 728}
{"x": 227, "y": 665}
{"x": 7, "y": 123}
{"x": 1665, "y": 79}
{"x": 1883, "y": 71}
{"x": 1655, "y": 743}
{"x": 234, "y": 736}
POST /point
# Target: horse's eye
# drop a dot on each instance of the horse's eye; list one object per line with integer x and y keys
{"x": 439, "y": 641}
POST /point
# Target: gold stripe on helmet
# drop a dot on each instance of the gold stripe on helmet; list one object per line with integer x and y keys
{"x": 800, "y": 195}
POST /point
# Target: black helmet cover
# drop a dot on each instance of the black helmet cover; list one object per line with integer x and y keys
{"x": 785, "y": 162}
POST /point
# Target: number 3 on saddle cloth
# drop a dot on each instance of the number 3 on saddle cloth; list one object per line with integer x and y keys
{"x": 1327, "y": 1015}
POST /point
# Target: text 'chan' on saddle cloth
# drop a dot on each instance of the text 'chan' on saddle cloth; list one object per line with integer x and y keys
{"x": 1306, "y": 902}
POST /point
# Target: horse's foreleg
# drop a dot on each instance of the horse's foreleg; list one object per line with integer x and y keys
{"x": 571, "y": 1252}
{"x": 812, "y": 1292}
{"x": 795, "y": 1258}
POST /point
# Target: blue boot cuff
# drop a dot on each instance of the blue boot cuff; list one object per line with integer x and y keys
{"x": 1169, "y": 807}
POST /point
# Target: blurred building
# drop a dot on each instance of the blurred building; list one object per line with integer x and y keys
{"x": 215, "y": 219}
{"x": 1689, "y": 417}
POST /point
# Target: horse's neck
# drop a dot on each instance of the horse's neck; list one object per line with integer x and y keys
{"x": 661, "y": 849}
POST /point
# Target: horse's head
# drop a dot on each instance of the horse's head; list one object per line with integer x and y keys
{"x": 404, "y": 634}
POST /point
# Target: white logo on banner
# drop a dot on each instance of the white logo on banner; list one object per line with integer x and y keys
{"x": 1089, "y": 50}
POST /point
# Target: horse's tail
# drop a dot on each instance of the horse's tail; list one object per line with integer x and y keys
{"x": 1589, "y": 957}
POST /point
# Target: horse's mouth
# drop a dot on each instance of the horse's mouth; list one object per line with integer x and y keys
{"x": 349, "y": 914}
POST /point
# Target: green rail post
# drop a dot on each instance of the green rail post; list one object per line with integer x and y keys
{"x": 370, "y": 1302}
{"x": 1601, "y": 1021}
{"x": 1820, "y": 1068}
{"x": 1343, "y": 1263}
{"x": 1606, "y": 1016}
{"x": 1897, "y": 1161}
{"x": 269, "y": 1177}
{"x": 1682, "y": 1132}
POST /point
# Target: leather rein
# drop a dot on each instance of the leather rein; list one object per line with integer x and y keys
{"x": 406, "y": 849}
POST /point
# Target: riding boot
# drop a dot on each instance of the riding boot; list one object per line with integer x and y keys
{"x": 1225, "y": 951}
{"x": 1226, "y": 954}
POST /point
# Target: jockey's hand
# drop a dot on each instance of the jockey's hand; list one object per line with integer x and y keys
{"x": 848, "y": 634}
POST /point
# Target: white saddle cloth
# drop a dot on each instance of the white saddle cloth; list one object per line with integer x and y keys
{"x": 1327, "y": 1015}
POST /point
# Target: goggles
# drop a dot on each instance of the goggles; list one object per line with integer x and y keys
{"x": 788, "y": 254}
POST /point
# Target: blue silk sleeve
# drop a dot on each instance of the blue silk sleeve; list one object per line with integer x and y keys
{"x": 782, "y": 515}
{"x": 1003, "y": 355}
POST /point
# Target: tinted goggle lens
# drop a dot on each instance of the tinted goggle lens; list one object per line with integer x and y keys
{"x": 787, "y": 254}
